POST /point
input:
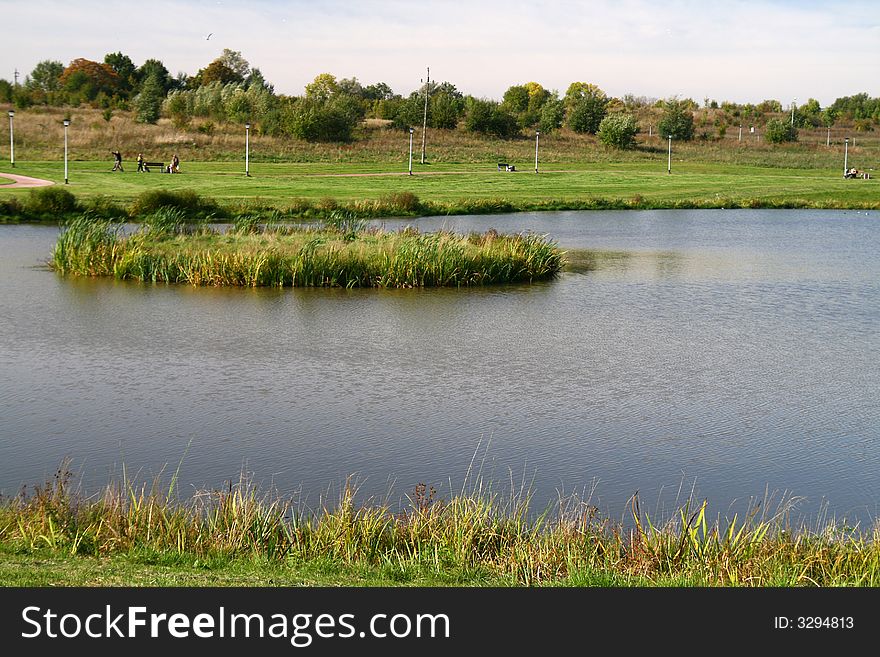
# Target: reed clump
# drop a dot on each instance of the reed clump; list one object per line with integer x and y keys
{"x": 343, "y": 252}
{"x": 477, "y": 531}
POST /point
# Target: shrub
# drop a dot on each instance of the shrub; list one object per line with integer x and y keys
{"x": 105, "y": 207}
{"x": 186, "y": 200}
{"x": 50, "y": 202}
{"x": 10, "y": 208}
{"x": 778, "y": 131}
{"x": 618, "y": 130}
{"x": 405, "y": 201}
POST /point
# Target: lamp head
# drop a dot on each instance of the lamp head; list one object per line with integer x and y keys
{"x": 11, "y": 113}
{"x": 66, "y": 122}
{"x": 247, "y": 126}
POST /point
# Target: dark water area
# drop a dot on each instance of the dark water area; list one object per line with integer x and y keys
{"x": 725, "y": 354}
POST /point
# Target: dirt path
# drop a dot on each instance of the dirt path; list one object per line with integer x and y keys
{"x": 24, "y": 181}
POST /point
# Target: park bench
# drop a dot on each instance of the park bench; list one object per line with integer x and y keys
{"x": 504, "y": 166}
{"x": 147, "y": 166}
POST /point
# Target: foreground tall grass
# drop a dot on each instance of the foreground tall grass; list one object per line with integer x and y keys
{"x": 476, "y": 531}
{"x": 342, "y": 253}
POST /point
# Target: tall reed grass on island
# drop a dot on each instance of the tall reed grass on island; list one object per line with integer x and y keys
{"x": 478, "y": 532}
{"x": 343, "y": 252}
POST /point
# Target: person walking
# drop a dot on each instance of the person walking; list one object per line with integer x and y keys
{"x": 140, "y": 161}
{"x": 117, "y": 163}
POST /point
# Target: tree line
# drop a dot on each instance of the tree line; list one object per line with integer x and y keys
{"x": 228, "y": 89}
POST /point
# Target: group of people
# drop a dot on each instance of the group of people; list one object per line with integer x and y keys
{"x": 855, "y": 173}
{"x": 173, "y": 166}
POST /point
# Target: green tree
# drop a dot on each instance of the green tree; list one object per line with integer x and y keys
{"x": 618, "y": 130}
{"x": 125, "y": 69}
{"x": 552, "y": 115}
{"x": 46, "y": 76}
{"x": 490, "y": 118}
{"x": 312, "y": 120}
{"x": 516, "y": 99}
{"x": 778, "y": 131}
{"x": 148, "y": 103}
{"x": 677, "y": 120}
{"x": 586, "y": 106}
{"x": 586, "y": 114}
{"x": 378, "y": 91}
{"x": 179, "y": 106}
{"x": 322, "y": 88}
{"x": 153, "y": 67}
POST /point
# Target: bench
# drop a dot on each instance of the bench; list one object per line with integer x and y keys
{"x": 504, "y": 166}
{"x": 147, "y": 166}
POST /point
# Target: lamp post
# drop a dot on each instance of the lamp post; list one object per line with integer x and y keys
{"x": 669, "y": 157}
{"x": 411, "y": 131}
{"x": 740, "y": 133}
{"x": 828, "y": 137}
{"x": 66, "y": 123}
{"x": 792, "y": 112}
{"x": 11, "y": 140}
{"x": 845, "y": 155}
{"x": 247, "y": 149}
{"x": 537, "y": 135}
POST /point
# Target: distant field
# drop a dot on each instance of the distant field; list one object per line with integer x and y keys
{"x": 460, "y": 166}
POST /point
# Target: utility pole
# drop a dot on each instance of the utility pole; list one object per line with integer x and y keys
{"x": 425, "y": 121}
{"x": 16, "y": 77}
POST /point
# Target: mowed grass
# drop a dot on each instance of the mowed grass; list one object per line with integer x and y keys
{"x": 641, "y": 184}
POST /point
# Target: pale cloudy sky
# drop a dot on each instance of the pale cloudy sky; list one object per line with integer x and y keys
{"x": 744, "y": 50}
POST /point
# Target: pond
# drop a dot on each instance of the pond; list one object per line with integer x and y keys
{"x": 731, "y": 355}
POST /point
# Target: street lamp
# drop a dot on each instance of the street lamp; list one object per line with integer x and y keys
{"x": 537, "y": 135}
{"x": 669, "y": 158}
{"x": 66, "y": 123}
{"x": 247, "y": 149}
{"x": 11, "y": 140}
{"x": 845, "y": 154}
{"x": 410, "y": 150}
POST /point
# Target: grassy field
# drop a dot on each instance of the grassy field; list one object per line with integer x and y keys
{"x": 639, "y": 184}
{"x": 461, "y": 167}
{"x": 131, "y": 534}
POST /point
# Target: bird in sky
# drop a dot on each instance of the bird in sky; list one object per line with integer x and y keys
{"x": 209, "y": 36}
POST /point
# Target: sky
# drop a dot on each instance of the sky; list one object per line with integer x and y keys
{"x": 742, "y": 51}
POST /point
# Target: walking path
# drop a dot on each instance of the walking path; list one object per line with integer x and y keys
{"x": 24, "y": 181}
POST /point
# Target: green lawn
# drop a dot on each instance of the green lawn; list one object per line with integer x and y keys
{"x": 646, "y": 182}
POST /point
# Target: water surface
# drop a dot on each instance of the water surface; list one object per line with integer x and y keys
{"x": 728, "y": 352}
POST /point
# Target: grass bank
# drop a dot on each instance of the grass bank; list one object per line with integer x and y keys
{"x": 145, "y": 535}
{"x": 342, "y": 253}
